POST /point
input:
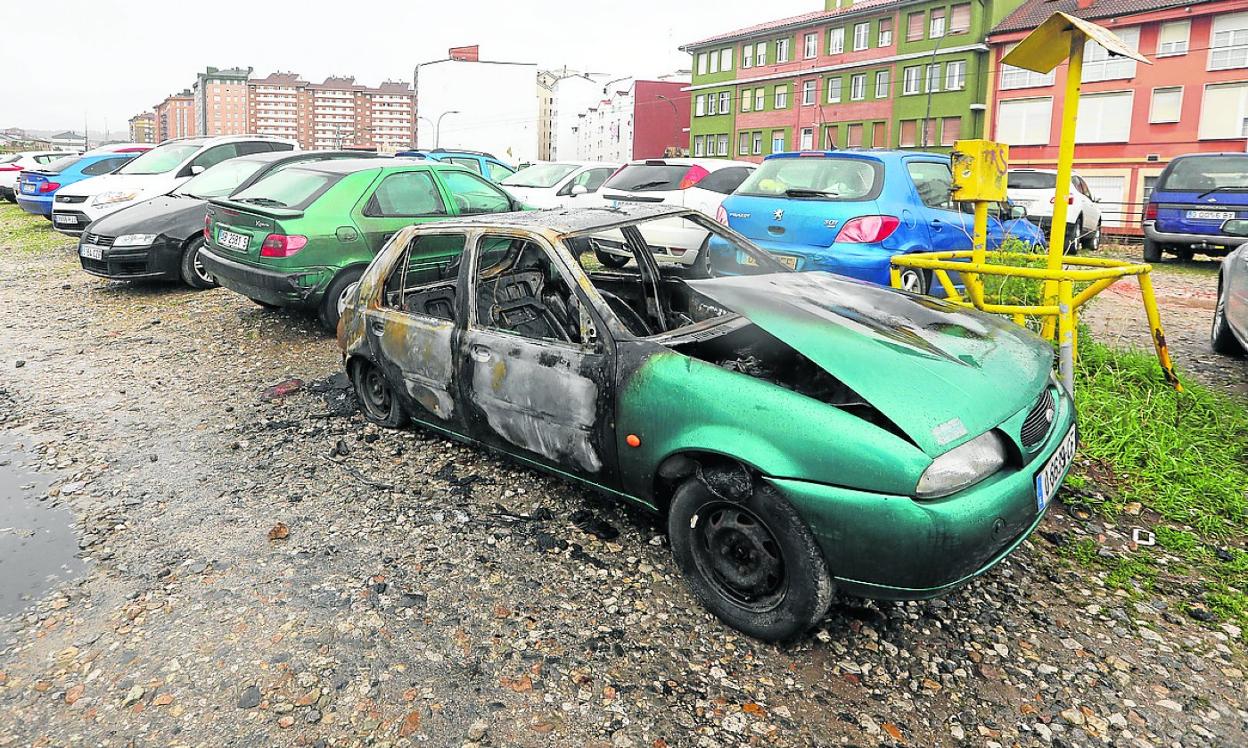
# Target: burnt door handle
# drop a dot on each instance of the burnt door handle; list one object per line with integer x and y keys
{"x": 480, "y": 352}
{"x": 378, "y": 327}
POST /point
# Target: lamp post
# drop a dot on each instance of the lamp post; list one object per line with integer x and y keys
{"x": 437, "y": 126}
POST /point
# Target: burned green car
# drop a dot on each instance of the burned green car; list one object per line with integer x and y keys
{"x": 799, "y": 432}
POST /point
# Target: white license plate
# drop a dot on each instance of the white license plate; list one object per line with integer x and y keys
{"x": 91, "y": 251}
{"x": 1211, "y": 215}
{"x": 1049, "y": 479}
{"x": 231, "y": 240}
{"x": 58, "y": 218}
{"x": 29, "y": 189}
{"x": 786, "y": 260}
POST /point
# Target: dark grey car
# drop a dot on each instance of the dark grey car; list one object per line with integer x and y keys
{"x": 1230, "y": 316}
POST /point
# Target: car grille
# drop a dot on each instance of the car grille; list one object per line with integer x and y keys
{"x": 115, "y": 268}
{"x": 71, "y": 198}
{"x": 99, "y": 240}
{"x": 1039, "y": 419}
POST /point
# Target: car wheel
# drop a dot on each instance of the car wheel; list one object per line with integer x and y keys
{"x": 334, "y": 297}
{"x": 750, "y": 560}
{"x": 1092, "y": 242}
{"x": 1074, "y": 235}
{"x": 194, "y": 274}
{"x": 915, "y": 280}
{"x": 1185, "y": 254}
{"x": 1152, "y": 251}
{"x": 612, "y": 261}
{"x": 378, "y": 402}
{"x": 1221, "y": 339}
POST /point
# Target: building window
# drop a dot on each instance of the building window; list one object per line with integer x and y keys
{"x": 950, "y": 130}
{"x": 1229, "y": 42}
{"x": 862, "y": 36}
{"x": 758, "y": 143}
{"x": 836, "y": 40}
{"x": 760, "y": 99}
{"x": 810, "y": 46}
{"x": 933, "y": 78}
{"x": 881, "y": 84}
{"x": 1098, "y": 65}
{"x": 782, "y": 96}
{"x": 1012, "y": 77}
{"x": 743, "y": 144}
{"x": 886, "y": 32}
{"x": 714, "y": 62}
{"x": 829, "y": 137}
{"x": 760, "y": 54}
{"x": 955, "y": 75}
{"x": 879, "y": 135}
{"x": 1024, "y": 121}
{"x": 702, "y": 64}
{"x": 782, "y": 50}
{"x": 1104, "y": 117}
{"x": 936, "y": 27}
{"x": 725, "y": 102}
{"x": 808, "y": 139}
{"x": 834, "y": 90}
{"x": 697, "y": 145}
{"x": 746, "y": 96}
{"x": 909, "y": 133}
{"x": 910, "y": 80}
{"x": 858, "y": 87}
{"x": 960, "y": 18}
{"x": 725, "y": 59}
{"x": 808, "y": 93}
{"x": 747, "y": 56}
{"x": 853, "y": 136}
{"x": 777, "y": 141}
{"x": 1224, "y": 111}
{"x": 1167, "y": 104}
{"x": 699, "y": 106}
{"x": 723, "y": 145}
{"x": 914, "y": 27}
{"x": 1172, "y": 38}
{"x": 712, "y": 105}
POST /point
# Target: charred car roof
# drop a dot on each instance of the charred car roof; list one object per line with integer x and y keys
{"x": 564, "y": 221}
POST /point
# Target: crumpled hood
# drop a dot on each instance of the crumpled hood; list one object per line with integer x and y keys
{"x": 944, "y": 374}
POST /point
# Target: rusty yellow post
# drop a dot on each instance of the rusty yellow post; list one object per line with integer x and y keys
{"x": 979, "y": 248}
{"x": 1155, "y": 331}
{"x": 1065, "y": 163}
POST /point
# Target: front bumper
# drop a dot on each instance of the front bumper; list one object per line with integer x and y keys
{"x": 274, "y": 287}
{"x": 161, "y": 260}
{"x": 898, "y": 548}
{"x": 71, "y": 222}
{"x": 1215, "y": 242}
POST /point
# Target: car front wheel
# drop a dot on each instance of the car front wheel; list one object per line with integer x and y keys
{"x": 749, "y": 558}
{"x": 1221, "y": 339}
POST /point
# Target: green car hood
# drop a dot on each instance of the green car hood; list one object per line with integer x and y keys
{"x": 943, "y": 374}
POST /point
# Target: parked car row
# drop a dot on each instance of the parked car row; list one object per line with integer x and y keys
{"x": 13, "y": 164}
{"x": 37, "y": 186}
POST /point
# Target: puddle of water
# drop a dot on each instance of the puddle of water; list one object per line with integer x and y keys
{"x": 38, "y": 548}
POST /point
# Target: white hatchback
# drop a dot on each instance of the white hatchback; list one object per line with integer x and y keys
{"x": 13, "y": 164}
{"x": 558, "y": 184}
{"x": 1035, "y": 190}
{"x": 697, "y": 183}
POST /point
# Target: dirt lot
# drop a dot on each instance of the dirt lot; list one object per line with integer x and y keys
{"x": 275, "y": 572}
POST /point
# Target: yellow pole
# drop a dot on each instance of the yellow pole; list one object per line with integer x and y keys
{"x": 1155, "y": 331}
{"x": 1065, "y": 161}
{"x": 979, "y": 248}
{"x": 894, "y": 276}
{"x": 1066, "y": 334}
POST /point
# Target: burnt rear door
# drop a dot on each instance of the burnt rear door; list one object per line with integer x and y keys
{"x": 536, "y": 375}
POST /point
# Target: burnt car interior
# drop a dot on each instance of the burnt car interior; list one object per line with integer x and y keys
{"x": 520, "y": 290}
{"x": 425, "y": 279}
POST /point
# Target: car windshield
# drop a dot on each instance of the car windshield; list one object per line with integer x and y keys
{"x": 60, "y": 165}
{"x": 290, "y": 188}
{"x": 815, "y": 178}
{"x": 539, "y": 175}
{"x": 648, "y": 177}
{"x": 1031, "y": 180}
{"x": 221, "y": 179}
{"x": 160, "y": 159}
{"x": 1204, "y": 173}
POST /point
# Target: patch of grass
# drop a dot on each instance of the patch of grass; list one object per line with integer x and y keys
{"x": 24, "y": 233}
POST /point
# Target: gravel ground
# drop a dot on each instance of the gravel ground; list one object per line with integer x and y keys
{"x": 276, "y": 572}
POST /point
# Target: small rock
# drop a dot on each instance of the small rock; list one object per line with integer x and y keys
{"x": 250, "y": 698}
{"x": 133, "y": 695}
{"x": 477, "y": 730}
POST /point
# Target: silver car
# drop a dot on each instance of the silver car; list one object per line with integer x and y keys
{"x": 1230, "y": 316}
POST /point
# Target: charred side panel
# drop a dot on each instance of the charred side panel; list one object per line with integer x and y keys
{"x": 416, "y": 352}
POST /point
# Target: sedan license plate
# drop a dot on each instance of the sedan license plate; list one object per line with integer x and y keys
{"x": 1211, "y": 215}
{"x": 231, "y": 240}
{"x": 29, "y": 189}
{"x": 91, "y": 251}
{"x": 58, "y": 218}
{"x": 787, "y": 260}
{"x": 1049, "y": 479}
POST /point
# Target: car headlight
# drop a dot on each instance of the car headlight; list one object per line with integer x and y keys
{"x": 112, "y": 197}
{"x": 963, "y": 466}
{"x": 134, "y": 240}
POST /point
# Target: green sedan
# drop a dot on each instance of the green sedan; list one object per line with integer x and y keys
{"x": 303, "y": 236}
{"x": 799, "y": 432}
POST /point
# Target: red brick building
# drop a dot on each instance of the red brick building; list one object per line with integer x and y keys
{"x": 175, "y": 116}
{"x": 337, "y": 113}
{"x": 1133, "y": 118}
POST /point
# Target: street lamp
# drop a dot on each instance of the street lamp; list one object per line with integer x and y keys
{"x": 437, "y": 126}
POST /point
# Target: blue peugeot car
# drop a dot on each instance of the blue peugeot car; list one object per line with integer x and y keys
{"x": 485, "y": 164}
{"x": 37, "y": 187}
{"x": 849, "y": 212}
{"x": 1192, "y": 199}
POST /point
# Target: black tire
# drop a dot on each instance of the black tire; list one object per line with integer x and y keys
{"x": 378, "y": 401}
{"x": 777, "y": 585}
{"x": 1092, "y": 242}
{"x": 1073, "y": 235}
{"x": 1221, "y": 339}
{"x": 615, "y": 262}
{"x": 1152, "y": 251}
{"x": 264, "y": 304}
{"x": 328, "y": 311}
{"x": 915, "y": 280}
{"x": 194, "y": 274}
{"x": 1185, "y": 254}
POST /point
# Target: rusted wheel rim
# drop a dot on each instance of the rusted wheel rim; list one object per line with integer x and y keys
{"x": 739, "y": 556}
{"x": 375, "y": 393}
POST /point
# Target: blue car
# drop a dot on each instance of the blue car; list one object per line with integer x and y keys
{"x": 849, "y": 212}
{"x": 37, "y": 187}
{"x": 485, "y": 164}
{"x": 1193, "y": 197}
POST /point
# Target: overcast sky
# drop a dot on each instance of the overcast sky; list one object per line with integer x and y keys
{"x": 110, "y": 59}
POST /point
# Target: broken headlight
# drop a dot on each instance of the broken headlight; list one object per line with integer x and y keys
{"x": 962, "y": 466}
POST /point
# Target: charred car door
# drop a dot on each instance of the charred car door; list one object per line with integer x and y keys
{"x": 536, "y": 374}
{"x": 412, "y": 330}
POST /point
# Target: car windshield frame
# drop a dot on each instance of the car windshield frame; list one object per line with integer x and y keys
{"x": 823, "y": 192}
{"x": 536, "y": 175}
{"x": 650, "y": 183}
{"x": 264, "y": 192}
{"x": 1165, "y": 181}
{"x": 1050, "y": 180}
{"x": 162, "y": 155}
{"x": 229, "y": 166}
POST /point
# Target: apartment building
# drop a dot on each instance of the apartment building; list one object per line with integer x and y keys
{"x": 489, "y": 105}
{"x": 276, "y": 105}
{"x": 638, "y": 119}
{"x": 143, "y": 128}
{"x": 221, "y": 101}
{"x": 1133, "y": 118}
{"x": 334, "y": 114}
{"x": 874, "y": 73}
{"x": 175, "y": 116}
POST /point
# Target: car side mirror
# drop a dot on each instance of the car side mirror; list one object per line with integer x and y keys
{"x": 1237, "y": 227}
{"x": 579, "y": 189}
{"x": 1018, "y": 212}
{"x": 196, "y": 170}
